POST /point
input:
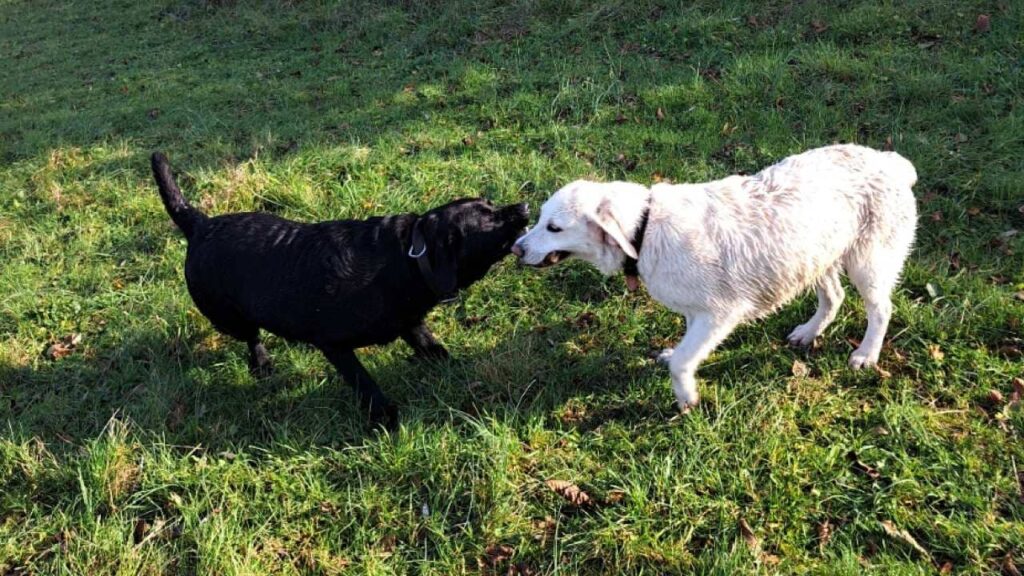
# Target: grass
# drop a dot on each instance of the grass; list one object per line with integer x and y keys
{"x": 149, "y": 449}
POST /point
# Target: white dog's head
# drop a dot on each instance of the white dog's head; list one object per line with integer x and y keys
{"x": 593, "y": 221}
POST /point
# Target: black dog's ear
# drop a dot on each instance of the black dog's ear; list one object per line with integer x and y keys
{"x": 442, "y": 251}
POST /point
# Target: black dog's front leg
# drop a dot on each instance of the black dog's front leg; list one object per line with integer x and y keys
{"x": 382, "y": 411}
{"x": 424, "y": 344}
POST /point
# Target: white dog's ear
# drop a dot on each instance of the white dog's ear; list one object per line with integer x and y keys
{"x": 612, "y": 232}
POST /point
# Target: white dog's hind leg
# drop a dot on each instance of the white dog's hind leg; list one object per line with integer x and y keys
{"x": 875, "y": 276}
{"x": 830, "y": 298}
{"x": 703, "y": 333}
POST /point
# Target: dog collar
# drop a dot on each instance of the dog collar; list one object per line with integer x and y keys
{"x": 418, "y": 252}
{"x": 629, "y": 267}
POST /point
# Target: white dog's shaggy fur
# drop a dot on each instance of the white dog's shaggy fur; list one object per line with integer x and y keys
{"x": 733, "y": 250}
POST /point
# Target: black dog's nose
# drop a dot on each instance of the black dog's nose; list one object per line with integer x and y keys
{"x": 517, "y": 250}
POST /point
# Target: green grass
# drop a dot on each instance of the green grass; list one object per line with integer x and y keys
{"x": 149, "y": 449}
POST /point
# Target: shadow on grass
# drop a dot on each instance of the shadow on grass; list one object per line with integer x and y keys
{"x": 196, "y": 391}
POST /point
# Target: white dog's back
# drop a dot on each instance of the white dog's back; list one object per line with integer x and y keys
{"x": 760, "y": 240}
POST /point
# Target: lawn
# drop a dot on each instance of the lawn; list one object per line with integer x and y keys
{"x": 134, "y": 440}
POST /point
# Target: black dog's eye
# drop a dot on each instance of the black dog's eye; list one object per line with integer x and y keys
{"x": 553, "y": 228}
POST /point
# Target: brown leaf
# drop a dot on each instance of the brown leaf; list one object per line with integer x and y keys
{"x": 937, "y": 216}
{"x": 867, "y": 470}
{"x": 620, "y": 118}
{"x": 818, "y": 26}
{"x": 799, "y": 369}
{"x": 543, "y": 528}
{"x": 498, "y": 553}
{"x": 1018, "y": 391}
{"x": 753, "y": 542}
{"x": 947, "y": 568}
{"x": 140, "y": 531}
{"x": 903, "y": 536}
{"x": 888, "y": 144}
{"x": 935, "y": 352}
{"x": 1008, "y": 566}
{"x": 660, "y": 114}
{"x": 1019, "y": 295}
{"x": 882, "y": 372}
{"x": 63, "y": 347}
{"x": 973, "y": 211}
{"x": 995, "y": 396}
{"x": 614, "y": 496}
{"x": 983, "y": 24}
{"x": 571, "y": 492}
{"x": 824, "y": 534}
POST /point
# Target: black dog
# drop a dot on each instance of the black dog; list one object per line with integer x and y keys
{"x": 337, "y": 285}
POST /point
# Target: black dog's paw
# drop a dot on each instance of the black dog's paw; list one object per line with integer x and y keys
{"x": 384, "y": 414}
{"x": 433, "y": 354}
{"x": 262, "y": 370}
{"x": 260, "y": 365}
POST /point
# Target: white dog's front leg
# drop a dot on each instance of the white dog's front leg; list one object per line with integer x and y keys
{"x": 703, "y": 333}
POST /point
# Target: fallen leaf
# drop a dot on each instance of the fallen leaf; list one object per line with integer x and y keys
{"x": 888, "y": 144}
{"x": 140, "y": 531}
{"x": 543, "y": 528}
{"x": 799, "y": 369}
{"x": 933, "y": 290}
{"x": 973, "y": 211}
{"x": 903, "y": 536}
{"x": 935, "y": 352}
{"x": 753, "y": 542}
{"x": 982, "y": 24}
{"x": 498, "y": 553}
{"x": 571, "y": 492}
{"x": 63, "y": 347}
{"x": 660, "y": 114}
{"x": 947, "y": 568}
{"x": 937, "y": 216}
{"x": 818, "y": 26}
{"x": 1009, "y": 566}
{"x": 954, "y": 261}
{"x": 867, "y": 470}
{"x": 995, "y": 397}
{"x": 614, "y": 496}
{"x": 1019, "y": 295}
{"x": 1018, "y": 391}
{"x": 824, "y": 534}
{"x": 882, "y": 372}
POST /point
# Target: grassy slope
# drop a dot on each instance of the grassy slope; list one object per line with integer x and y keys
{"x": 150, "y": 449}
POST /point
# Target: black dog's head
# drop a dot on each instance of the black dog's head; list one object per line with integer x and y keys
{"x": 466, "y": 237}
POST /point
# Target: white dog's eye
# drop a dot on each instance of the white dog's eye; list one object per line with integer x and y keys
{"x": 553, "y": 228}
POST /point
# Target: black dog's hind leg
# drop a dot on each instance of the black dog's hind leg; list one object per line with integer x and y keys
{"x": 371, "y": 399}
{"x": 424, "y": 344}
{"x": 259, "y": 359}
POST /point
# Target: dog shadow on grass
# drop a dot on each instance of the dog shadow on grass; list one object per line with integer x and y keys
{"x": 196, "y": 390}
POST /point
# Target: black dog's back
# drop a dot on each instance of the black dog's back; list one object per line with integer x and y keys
{"x": 316, "y": 283}
{"x": 337, "y": 285}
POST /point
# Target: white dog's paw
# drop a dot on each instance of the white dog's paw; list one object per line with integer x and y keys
{"x": 685, "y": 406}
{"x": 861, "y": 359}
{"x": 803, "y": 335}
{"x": 665, "y": 356}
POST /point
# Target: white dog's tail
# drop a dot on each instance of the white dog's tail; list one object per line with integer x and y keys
{"x": 899, "y": 169}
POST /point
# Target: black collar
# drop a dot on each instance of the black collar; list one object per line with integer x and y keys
{"x": 629, "y": 266}
{"x": 418, "y": 252}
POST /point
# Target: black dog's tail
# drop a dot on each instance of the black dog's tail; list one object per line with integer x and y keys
{"x": 184, "y": 215}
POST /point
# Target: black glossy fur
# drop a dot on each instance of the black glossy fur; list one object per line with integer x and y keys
{"x": 337, "y": 285}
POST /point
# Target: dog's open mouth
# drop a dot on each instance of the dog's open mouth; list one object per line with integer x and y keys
{"x": 553, "y": 258}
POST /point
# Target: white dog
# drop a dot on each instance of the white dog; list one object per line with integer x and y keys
{"x": 736, "y": 249}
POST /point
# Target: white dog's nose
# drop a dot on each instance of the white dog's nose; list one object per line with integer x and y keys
{"x": 517, "y": 250}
